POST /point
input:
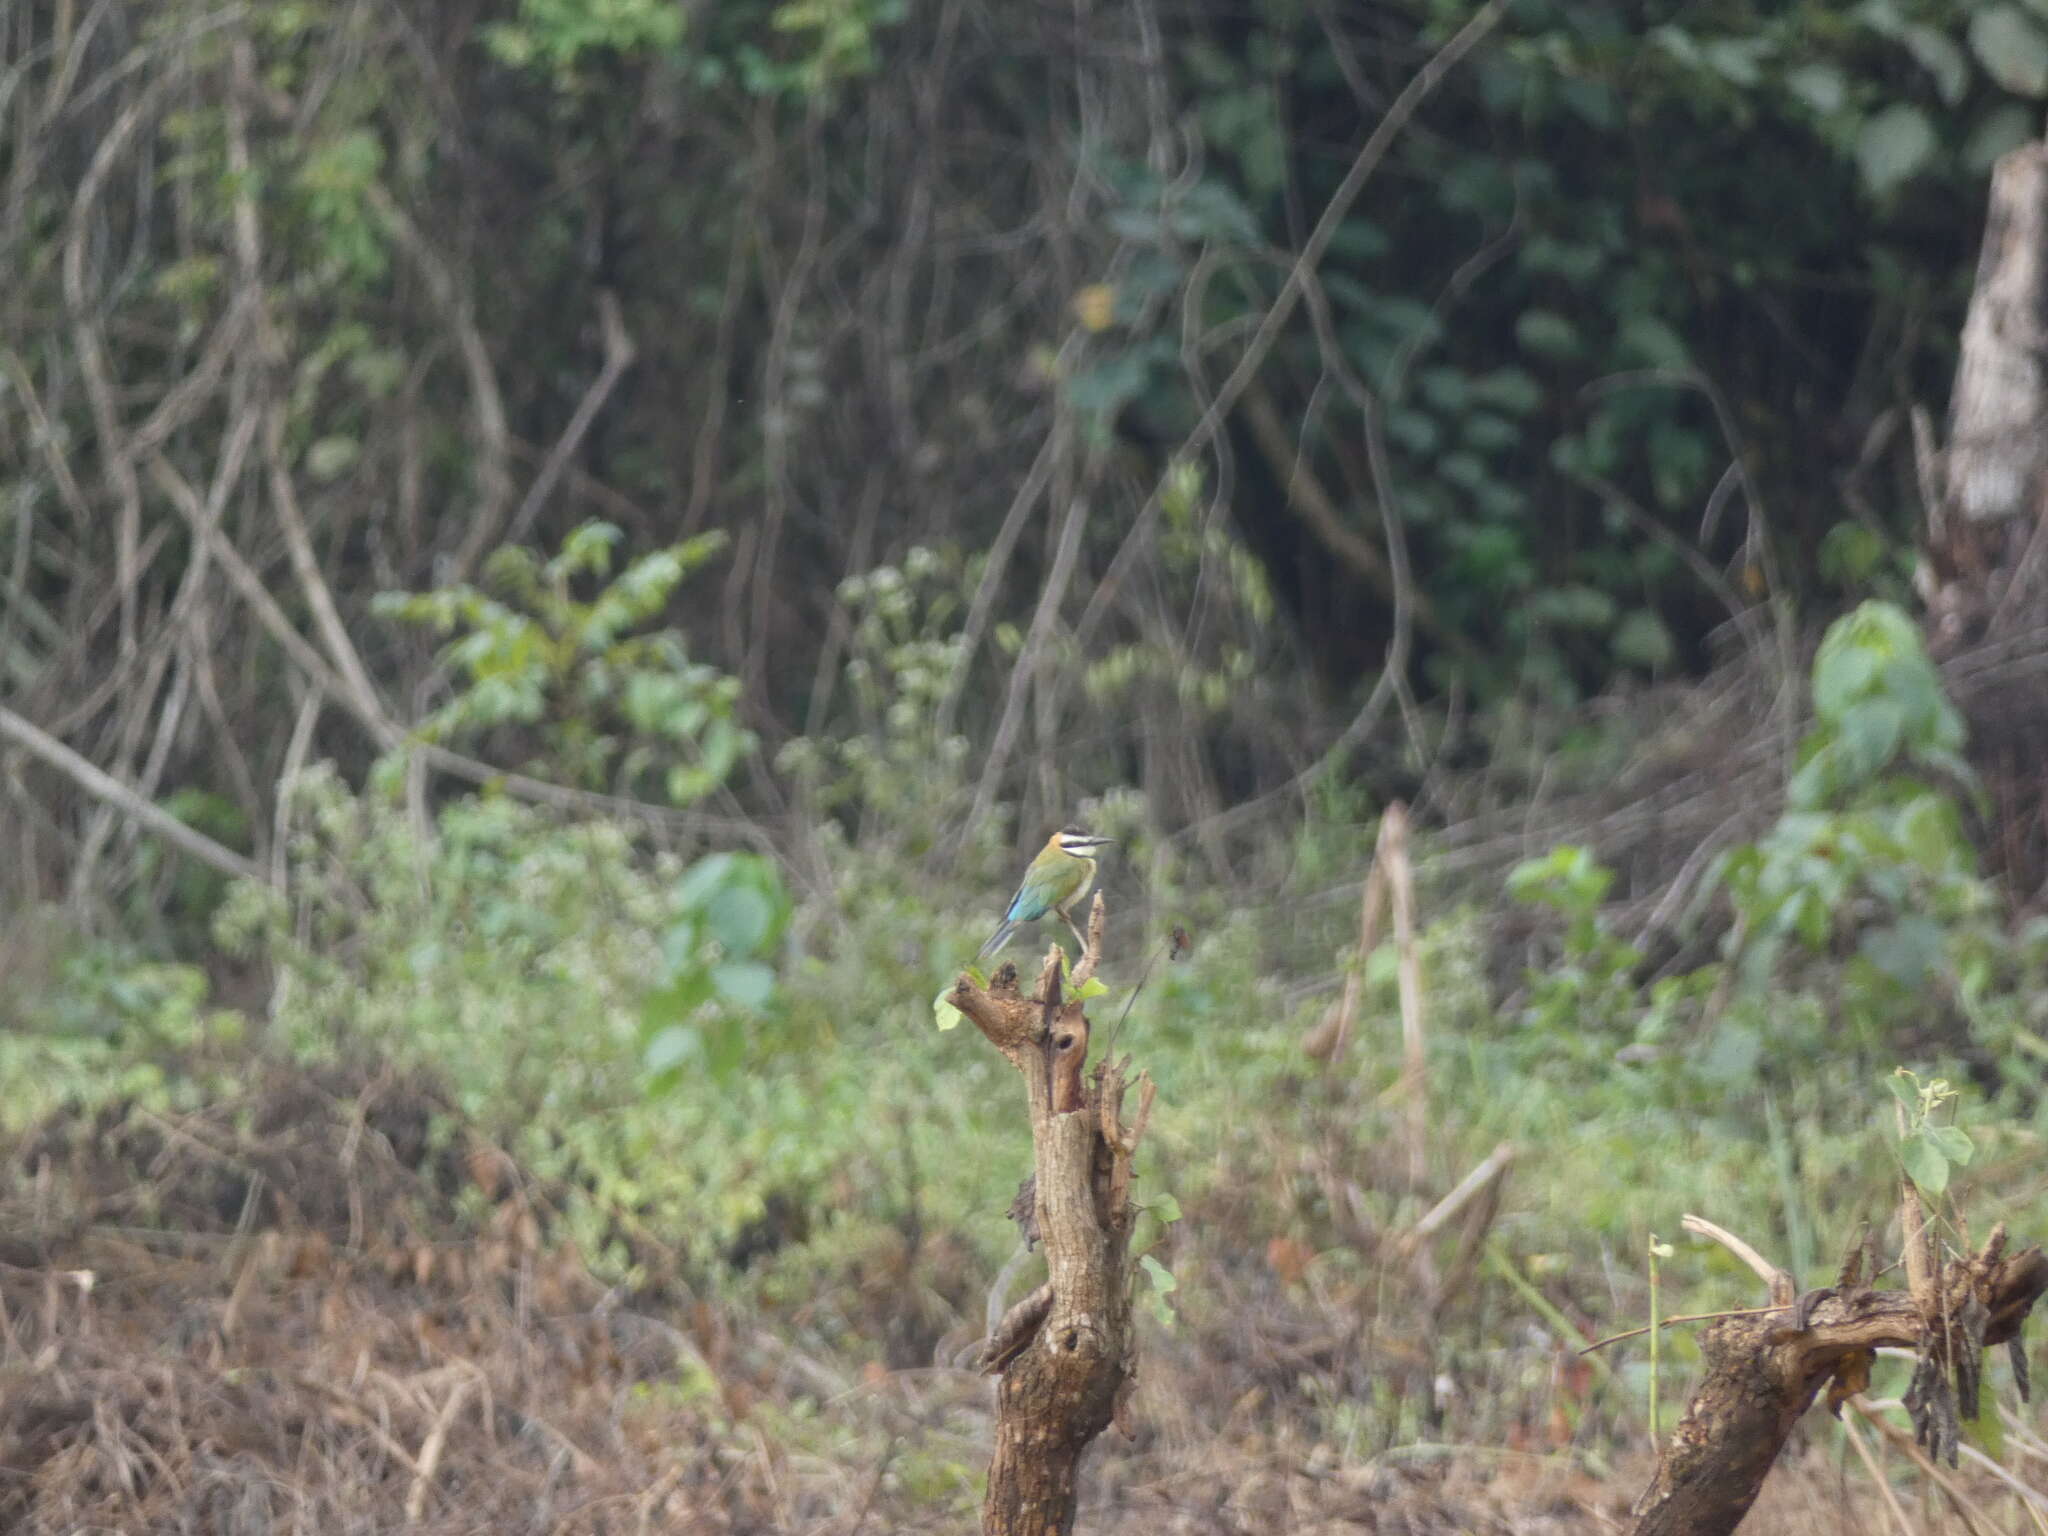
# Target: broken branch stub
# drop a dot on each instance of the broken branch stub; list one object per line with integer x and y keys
{"x": 1764, "y": 1370}
{"x": 1066, "y": 1355}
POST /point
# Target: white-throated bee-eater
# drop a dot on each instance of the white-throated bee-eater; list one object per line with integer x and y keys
{"x": 1058, "y": 878}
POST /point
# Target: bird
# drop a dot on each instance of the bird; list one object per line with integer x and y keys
{"x": 1055, "y": 880}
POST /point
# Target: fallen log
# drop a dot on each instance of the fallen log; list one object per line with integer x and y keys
{"x": 1763, "y": 1370}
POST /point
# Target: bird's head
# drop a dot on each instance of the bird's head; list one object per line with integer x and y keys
{"x": 1080, "y": 844}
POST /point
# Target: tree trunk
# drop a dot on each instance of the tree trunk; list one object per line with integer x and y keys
{"x": 1066, "y": 1354}
{"x": 1986, "y": 570}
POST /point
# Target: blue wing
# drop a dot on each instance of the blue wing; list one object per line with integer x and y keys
{"x": 1032, "y": 901}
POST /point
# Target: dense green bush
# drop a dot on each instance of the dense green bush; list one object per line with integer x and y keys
{"x": 1584, "y": 318}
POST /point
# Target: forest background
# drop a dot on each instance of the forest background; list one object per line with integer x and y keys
{"x": 557, "y": 555}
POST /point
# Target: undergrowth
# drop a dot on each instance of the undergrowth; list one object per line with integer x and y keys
{"x": 732, "y": 1085}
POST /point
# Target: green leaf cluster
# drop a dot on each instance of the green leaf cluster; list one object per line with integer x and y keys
{"x": 1867, "y": 845}
{"x": 717, "y": 969}
{"x": 1928, "y": 1148}
{"x": 613, "y": 709}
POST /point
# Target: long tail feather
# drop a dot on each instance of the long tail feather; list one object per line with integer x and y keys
{"x": 997, "y": 940}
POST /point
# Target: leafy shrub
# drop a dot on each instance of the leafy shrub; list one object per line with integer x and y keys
{"x": 1868, "y": 847}
{"x": 613, "y": 709}
{"x": 717, "y": 972}
{"x": 89, "y": 1024}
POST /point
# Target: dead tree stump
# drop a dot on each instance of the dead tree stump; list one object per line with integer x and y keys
{"x": 1986, "y": 567}
{"x": 1066, "y": 1354}
{"x": 1763, "y": 1370}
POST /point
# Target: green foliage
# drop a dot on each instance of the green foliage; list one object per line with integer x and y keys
{"x": 1591, "y": 988}
{"x": 768, "y": 47}
{"x": 881, "y": 757}
{"x": 835, "y": 40}
{"x": 1879, "y": 705}
{"x": 333, "y": 184}
{"x": 1865, "y": 846}
{"x": 558, "y": 33}
{"x": 174, "y": 897}
{"x": 1855, "y": 559}
{"x": 1928, "y": 1148}
{"x": 1616, "y": 353}
{"x": 717, "y": 972}
{"x": 1572, "y": 338}
{"x": 544, "y": 974}
{"x": 1160, "y": 1285}
{"x": 103, "y": 1026}
{"x": 614, "y": 710}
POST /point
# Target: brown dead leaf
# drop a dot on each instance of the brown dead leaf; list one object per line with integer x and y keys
{"x": 311, "y": 1255}
{"x": 1289, "y": 1258}
{"x": 1852, "y": 1375}
{"x": 490, "y": 1170}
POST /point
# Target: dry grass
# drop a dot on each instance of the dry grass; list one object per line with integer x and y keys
{"x": 280, "y": 1316}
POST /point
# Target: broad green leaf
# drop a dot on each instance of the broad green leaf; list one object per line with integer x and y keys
{"x": 1573, "y": 606}
{"x": 944, "y": 1014}
{"x": 332, "y": 457}
{"x": 1870, "y": 731}
{"x": 1646, "y": 339}
{"x": 1092, "y": 987}
{"x": 1892, "y": 147}
{"x": 1642, "y": 640}
{"x": 740, "y": 918}
{"x": 2012, "y": 48}
{"x": 1840, "y": 674}
{"x": 1905, "y": 950}
{"x": 1936, "y": 53}
{"x": 1414, "y": 430}
{"x": 1576, "y": 262}
{"x": 1811, "y": 917}
{"x": 673, "y": 1047}
{"x": 1163, "y": 1285}
{"x": 704, "y": 879}
{"x": 1820, "y": 86}
{"x": 744, "y": 983}
{"x": 1547, "y": 333}
{"x": 1508, "y": 389}
{"x": 1954, "y": 1143}
{"x": 1734, "y": 59}
{"x": 1733, "y": 1055}
{"x": 1925, "y": 827}
{"x": 675, "y": 1000}
{"x": 1816, "y": 778}
{"x": 1850, "y": 554}
{"x": 1165, "y": 1209}
{"x": 1488, "y": 432}
{"x": 1462, "y": 469}
{"x": 1924, "y": 1163}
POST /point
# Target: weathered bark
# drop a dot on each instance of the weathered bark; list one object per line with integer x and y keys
{"x": 1066, "y": 1354}
{"x": 1986, "y": 568}
{"x": 1763, "y": 1370}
